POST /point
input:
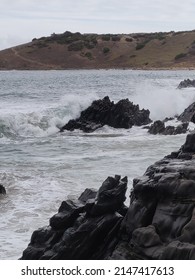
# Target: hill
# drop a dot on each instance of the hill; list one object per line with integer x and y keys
{"x": 163, "y": 50}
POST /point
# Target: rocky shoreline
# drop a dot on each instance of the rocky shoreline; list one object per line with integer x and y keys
{"x": 158, "y": 224}
{"x": 125, "y": 114}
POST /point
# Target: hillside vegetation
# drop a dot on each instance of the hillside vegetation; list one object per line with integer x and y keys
{"x": 163, "y": 50}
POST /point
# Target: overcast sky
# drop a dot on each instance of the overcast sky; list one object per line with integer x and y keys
{"x": 23, "y": 20}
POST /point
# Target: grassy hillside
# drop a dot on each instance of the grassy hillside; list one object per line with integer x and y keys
{"x": 86, "y": 51}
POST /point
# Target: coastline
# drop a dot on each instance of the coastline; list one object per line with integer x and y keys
{"x": 107, "y": 68}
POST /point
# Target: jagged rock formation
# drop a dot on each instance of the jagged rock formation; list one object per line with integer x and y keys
{"x": 188, "y": 115}
{"x": 158, "y": 127}
{"x": 2, "y": 189}
{"x": 186, "y": 83}
{"x": 158, "y": 224}
{"x": 123, "y": 114}
{"x": 82, "y": 229}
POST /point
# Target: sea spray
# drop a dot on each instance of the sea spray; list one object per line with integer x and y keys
{"x": 41, "y": 123}
{"x": 164, "y": 101}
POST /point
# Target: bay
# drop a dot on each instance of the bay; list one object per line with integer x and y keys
{"x": 40, "y": 167}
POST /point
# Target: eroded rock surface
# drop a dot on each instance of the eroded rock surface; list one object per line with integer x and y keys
{"x": 158, "y": 127}
{"x": 123, "y": 114}
{"x": 85, "y": 228}
{"x": 188, "y": 115}
{"x": 158, "y": 224}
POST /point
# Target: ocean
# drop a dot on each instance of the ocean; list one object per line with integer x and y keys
{"x": 40, "y": 167}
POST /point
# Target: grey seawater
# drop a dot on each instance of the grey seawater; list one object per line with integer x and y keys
{"x": 41, "y": 167}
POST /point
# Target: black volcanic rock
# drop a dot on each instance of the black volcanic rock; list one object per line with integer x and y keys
{"x": 158, "y": 127}
{"x": 186, "y": 83}
{"x": 110, "y": 196}
{"x": 123, "y": 114}
{"x": 158, "y": 224}
{"x": 2, "y": 189}
{"x": 160, "y": 219}
{"x": 82, "y": 229}
{"x": 188, "y": 115}
{"x": 189, "y": 145}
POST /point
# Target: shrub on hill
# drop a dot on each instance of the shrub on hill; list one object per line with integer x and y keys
{"x": 115, "y": 38}
{"x": 76, "y": 46}
{"x": 105, "y": 37}
{"x": 180, "y": 55}
{"x": 129, "y": 39}
{"x": 140, "y": 46}
{"x": 41, "y": 44}
{"x": 89, "y": 45}
{"x": 106, "y": 50}
{"x": 89, "y": 55}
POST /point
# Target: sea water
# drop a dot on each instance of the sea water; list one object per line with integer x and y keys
{"x": 40, "y": 167}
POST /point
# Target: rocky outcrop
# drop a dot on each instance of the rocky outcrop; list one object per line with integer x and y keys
{"x": 123, "y": 114}
{"x": 160, "y": 219}
{"x": 85, "y": 228}
{"x": 158, "y": 224}
{"x": 188, "y": 115}
{"x": 158, "y": 127}
{"x": 2, "y": 189}
{"x": 186, "y": 83}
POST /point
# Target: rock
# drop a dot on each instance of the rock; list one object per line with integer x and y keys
{"x": 158, "y": 127}
{"x": 189, "y": 145}
{"x": 169, "y": 130}
{"x": 123, "y": 114}
{"x": 110, "y": 196}
{"x": 158, "y": 224}
{"x": 2, "y": 189}
{"x": 78, "y": 231}
{"x": 181, "y": 128}
{"x": 168, "y": 119}
{"x": 68, "y": 212}
{"x": 87, "y": 194}
{"x": 163, "y": 209}
{"x": 188, "y": 115}
{"x": 186, "y": 83}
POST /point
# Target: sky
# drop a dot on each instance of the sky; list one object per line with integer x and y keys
{"x": 23, "y": 20}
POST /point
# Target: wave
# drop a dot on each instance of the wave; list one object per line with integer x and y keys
{"x": 41, "y": 121}
{"x": 24, "y": 125}
{"x": 163, "y": 101}
{"x": 37, "y": 122}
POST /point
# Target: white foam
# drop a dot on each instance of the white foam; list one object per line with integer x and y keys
{"x": 74, "y": 104}
{"x": 164, "y": 101}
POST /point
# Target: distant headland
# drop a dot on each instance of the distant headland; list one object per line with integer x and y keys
{"x": 160, "y": 50}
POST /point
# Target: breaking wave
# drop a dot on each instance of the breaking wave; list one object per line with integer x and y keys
{"x": 41, "y": 123}
{"x": 164, "y": 101}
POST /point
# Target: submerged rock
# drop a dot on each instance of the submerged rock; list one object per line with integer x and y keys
{"x": 186, "y": 83}
{"x": 158, "y": 224}
{"x": 2, "y": 189}
{"x": 158, "y": 127}
{"x": 123, "y": 114}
